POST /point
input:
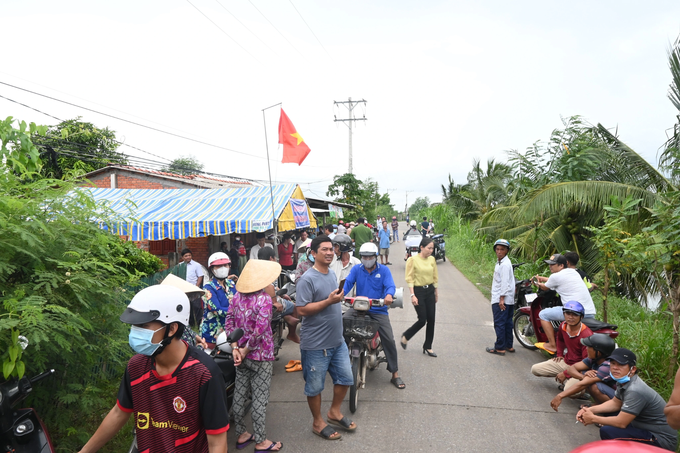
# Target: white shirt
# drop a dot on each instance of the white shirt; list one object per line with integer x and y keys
{"x": 503, "y": 282}
{"x": 341, "y": 272}
{"x": 256, "y": 248}
{"x": 570, "y": 286}
{"x": 194, "y": 271}
{"x": 298, "y": 244}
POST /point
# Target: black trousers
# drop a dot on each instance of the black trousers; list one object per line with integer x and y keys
{"x": 426, "y": 310}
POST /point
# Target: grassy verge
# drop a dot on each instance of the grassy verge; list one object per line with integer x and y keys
{"x": 647, "y": 333}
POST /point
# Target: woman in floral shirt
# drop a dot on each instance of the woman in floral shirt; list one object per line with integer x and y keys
{"x": 221, "y": 289}
{"x": 251, "y": 310}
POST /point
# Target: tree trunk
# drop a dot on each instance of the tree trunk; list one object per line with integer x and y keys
{"x": 605, "y": 292}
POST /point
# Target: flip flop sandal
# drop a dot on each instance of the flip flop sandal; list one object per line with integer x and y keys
{"x": 327, "y": 433}
{"x": 271, "y": 447}
{"x": 291, "y": 364}
{"x": 344, "y": 423}
{"x": 542, "y": 346}
{"x": 297, "y": 367}
{"x": 398, "y": 383}
{"x": 510, "y": 350}
{"x": 242, "y": 445}
{"x": 493, "y": 351}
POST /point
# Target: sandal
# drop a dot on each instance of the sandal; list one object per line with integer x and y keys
{"x": 292, "y": 363}
{"x": 296, "y": 367}
{"x": 398, "y": 383}
{"x": 271, "y": 447}
{"x": 494, "y": 351}
{"x": 403, "y": 343}
{"x": 542, "y": 346}
{"x": 242, "y": 445}
{"x": 510, "y": 350}
{"x": 344, "y": 423}
{"x": 328, "y": 433}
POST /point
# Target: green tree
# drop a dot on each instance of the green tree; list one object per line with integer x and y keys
{"x": 348, "y": 189}
{"x": 18, "y": 153}
{"x": 184, "y": 165}
{"x": 77, "y": 145}
{"x": 419, "y": 205}
{"x": 63, "y": 284}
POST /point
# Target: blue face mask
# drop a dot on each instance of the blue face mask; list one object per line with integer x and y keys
{"x": 311, "y": 258}
{"x": 140, "y": 340}
{"x": 621, "y": 380}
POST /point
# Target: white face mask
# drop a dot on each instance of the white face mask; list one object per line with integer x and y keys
{"x": 221, "y": 272}
{"x": 368, "y": 262}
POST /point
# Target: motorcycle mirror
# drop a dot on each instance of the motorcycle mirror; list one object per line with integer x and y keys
{"x": 235, "y": 336}
{"x": 282, "y": 292}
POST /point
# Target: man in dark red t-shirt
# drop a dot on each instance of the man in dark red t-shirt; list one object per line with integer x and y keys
{"x": 175, "y": 391}
{"x": 568, "y": 336}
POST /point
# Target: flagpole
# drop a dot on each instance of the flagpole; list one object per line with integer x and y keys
{"x": 271, "y": 189}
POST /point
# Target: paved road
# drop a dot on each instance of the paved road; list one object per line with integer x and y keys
{"x": 465, "y": 400}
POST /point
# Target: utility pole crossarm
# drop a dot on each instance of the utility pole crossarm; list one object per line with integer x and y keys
{"x": 350, "y": 105}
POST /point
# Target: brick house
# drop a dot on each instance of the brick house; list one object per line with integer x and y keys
{"x": 129, "y": 177}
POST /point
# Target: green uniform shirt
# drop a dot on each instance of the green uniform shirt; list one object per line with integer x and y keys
{"x": 361, "y": 234}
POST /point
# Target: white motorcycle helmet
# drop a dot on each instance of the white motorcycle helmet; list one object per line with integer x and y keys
{"x": 218, "y": 259}
{"x": 413, "y": 223}
{"x": 368, "y": 249}
{"x": 163, "y": 303}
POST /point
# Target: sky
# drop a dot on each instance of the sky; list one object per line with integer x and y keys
{"x": 446, "y": 82}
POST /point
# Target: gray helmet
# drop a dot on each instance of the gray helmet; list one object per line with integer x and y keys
{"x": 344, "y": 241}
{"x": 601, "y": 343}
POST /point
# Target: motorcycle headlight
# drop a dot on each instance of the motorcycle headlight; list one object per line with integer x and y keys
{"x": 361, "y": 304}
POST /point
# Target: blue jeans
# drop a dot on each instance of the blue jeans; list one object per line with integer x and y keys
{"x": 555, "y": 314}
{"x": 502, "y": 324}
{"x": 315, "y": 364}
{"x": 395, "y": 235}
{"x": 628, "y": 433}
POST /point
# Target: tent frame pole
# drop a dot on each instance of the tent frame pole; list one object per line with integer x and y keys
{"x": 271, "y": 189}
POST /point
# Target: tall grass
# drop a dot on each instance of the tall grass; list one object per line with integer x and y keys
{"x": 647, "y": 333}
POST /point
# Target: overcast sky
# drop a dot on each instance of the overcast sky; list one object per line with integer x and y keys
{"x": 445, "y": 81}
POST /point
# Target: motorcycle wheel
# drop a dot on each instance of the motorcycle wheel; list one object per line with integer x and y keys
{"x": 524, "y": 331}
{"x": 354, "y": 389}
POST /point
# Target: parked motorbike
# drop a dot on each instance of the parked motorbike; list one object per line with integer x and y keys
{"x": 527, "y": 324}
{"x": 361, "y": 334}
{"x": 277, "y": 323}
{"x": 225, "y": 360}
{"x": 522, "y": 288}
{"x": 412, "y": 243}
{"x": 21, "y": 430}
{"x": 439, "y": 247}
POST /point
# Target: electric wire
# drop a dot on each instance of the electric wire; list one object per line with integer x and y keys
{"x": 136, "y": 124}
{"x": 227, "y": 34}
{"x": 274, "y": 26}
{"x": 310, "y": 29}
{"x": 244, "y": 26}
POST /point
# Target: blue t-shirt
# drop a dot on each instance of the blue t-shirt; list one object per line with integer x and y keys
{"x": 376, "y": 285}
{"x": 324, "y": 329}
{"x": 602, "y": 371}
{"x": 384, "y": 239}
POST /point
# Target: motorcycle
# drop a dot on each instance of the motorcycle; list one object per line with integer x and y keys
{"x": 527, "y": 324}
{"x": 21, "y": 429}
{"x": 277, "y": 322}
{"x": 439, "y": 247}
{"x": 522, "y": 288}
{"x": 412, "y": 243}
{"x": 225, "y": 360}
{"x": 361, "y": 335}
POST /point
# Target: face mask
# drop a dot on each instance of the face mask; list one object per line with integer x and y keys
{"x": 368, "y": 262}
{"x": 335, "y": 230}
{"x": 621, "y": 380}
{"x": 238, "y": 239}
{"x": 311, "y": 258}
{"x": 140, "y": 340}
{"x": 221, "y": 272}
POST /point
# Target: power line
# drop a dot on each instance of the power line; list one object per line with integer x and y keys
{"x": 244, "y": 26}
{"x": 310, "y": 29}
{"x": 270, "y": 23}
{"x": 227, "y": 34}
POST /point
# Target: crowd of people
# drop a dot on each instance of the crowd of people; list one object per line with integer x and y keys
{"x": 585, "y": 364}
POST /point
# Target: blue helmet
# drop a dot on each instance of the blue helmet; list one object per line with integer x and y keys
{"x": 504, "y": 242}
{"x": 574, "y": 306}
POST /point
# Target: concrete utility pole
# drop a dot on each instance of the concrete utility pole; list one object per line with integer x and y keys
{"x": 350, "y": 104}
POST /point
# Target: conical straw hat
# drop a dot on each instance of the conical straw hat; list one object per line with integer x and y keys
{"x": 182, "y": 284}
{"x": 257, "y": 274}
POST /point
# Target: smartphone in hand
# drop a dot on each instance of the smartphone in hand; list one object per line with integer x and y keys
{"x": 342, "y": 284}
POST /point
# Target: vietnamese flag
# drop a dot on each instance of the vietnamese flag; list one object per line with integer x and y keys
{"x": 295, "y": 149}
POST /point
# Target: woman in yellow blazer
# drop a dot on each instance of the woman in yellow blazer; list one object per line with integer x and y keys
{"x": 422, "y": 278}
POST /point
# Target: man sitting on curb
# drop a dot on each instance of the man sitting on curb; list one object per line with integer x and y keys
{"x": 569, "y": 336}
{"x": 596, "y": 380}
{"x": 641, "y": 417}
{"x": 569, "y": 285}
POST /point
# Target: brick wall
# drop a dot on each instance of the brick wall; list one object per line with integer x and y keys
{"x": 199, "y": 249}
{"x": 101, "y": 182}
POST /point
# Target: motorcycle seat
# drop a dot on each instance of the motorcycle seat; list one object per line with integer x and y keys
{"x": 596, "y": 324}
{"x": 437, "y": 236}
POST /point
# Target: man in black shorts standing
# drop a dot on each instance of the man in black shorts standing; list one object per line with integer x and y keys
{"x": 175, "y": 391}
{"x": 322, "y": 345}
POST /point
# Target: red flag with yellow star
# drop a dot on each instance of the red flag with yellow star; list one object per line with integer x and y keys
{"x": 295, "y": 149}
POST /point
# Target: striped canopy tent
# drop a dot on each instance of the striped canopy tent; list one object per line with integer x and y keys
{"x": 156, "y": 214}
